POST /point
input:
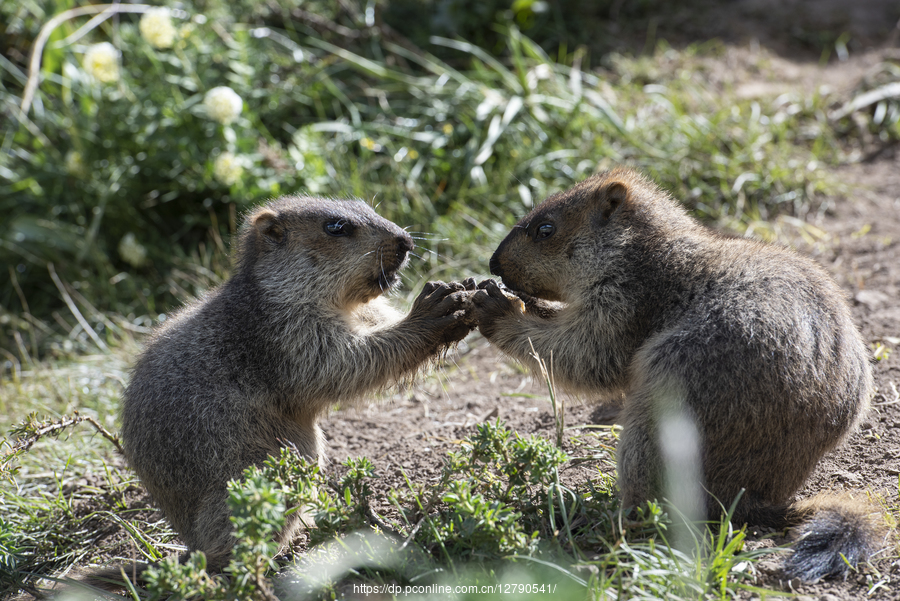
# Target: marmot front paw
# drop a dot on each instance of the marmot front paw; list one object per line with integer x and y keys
{"x": 492, "y": 303}
{"x": 446, "y": 309}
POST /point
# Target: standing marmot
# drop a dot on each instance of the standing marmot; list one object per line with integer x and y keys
{"x": 751, "y": 343}
{"x": 299, "y": 326}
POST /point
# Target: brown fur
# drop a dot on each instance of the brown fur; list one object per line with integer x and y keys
{"x": 300, "y": 326}
{"x": 752, "y": 344}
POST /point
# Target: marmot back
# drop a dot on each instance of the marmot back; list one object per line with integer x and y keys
{"x": 749, "y": 345}
{"x": 253, "y": 365}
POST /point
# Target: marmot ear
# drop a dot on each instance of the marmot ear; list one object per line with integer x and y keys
{"x": 609, "y": 198}
{"x": 266, "y": 224}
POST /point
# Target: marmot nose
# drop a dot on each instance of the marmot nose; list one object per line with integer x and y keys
{"x": 404, "y": 245}
{"x": 495, "y": 265}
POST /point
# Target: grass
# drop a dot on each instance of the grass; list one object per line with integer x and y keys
{"x": 62, "y": 486}
{"x": 448, "y": 139}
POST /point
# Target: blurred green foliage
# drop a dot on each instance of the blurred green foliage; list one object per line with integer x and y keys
{"x": 454, "y": 117}
{"x": 92, "y": 162}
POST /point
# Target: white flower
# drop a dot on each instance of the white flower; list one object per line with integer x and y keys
{"x": 228, "y": 168}
{"x": 131, "y": 251}
{"x": 75, "y": 163}
{"x": 156, "y": 27}
{"x": 101, "y": 61}
{"x": 223, "y": 104}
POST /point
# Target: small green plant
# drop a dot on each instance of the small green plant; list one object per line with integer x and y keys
{"x": 258, "y": 510}
{"x": 880, "y": 352}
{"x": 875, "y": 105}
{"x": 557, "y": 403}
{"x": 32, "y": 429}
{"x": 490, "y": 500}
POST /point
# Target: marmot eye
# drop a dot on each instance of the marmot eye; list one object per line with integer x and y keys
{"x": 338, "y": 227}
{"x": 545, "y": 230}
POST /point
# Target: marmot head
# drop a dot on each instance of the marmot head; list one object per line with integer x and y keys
{"x": 305, "y": 248}
{"x": 554, "y": 250}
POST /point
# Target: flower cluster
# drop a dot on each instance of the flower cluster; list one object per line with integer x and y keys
{"x": 228, "y": 168}
{"x": 101, "y": 61}
{"x": 75, "y": 163}
{"x": 132, "y": 252}
{"x": 156, "y": 27}
{"x": 223, "y": 104}
{"x": 370, "y": 144}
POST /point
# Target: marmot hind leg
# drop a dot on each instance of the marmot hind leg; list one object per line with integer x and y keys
{"x": 638, "y": 465}
{"x": 658, "y": 455}
{"x": 212, "y": 531}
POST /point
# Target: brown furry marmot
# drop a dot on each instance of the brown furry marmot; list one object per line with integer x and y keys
{"x": 300, "y": 326}
{"x": 749, "y": 346}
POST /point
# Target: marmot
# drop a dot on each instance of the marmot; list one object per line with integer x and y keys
{"x": 300, "y": 326}
{"x": 626, "y": 295}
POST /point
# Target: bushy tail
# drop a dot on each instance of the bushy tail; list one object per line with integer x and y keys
{"x": 833, "y": 534}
